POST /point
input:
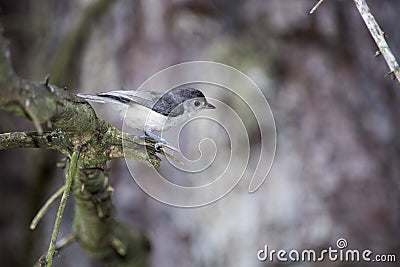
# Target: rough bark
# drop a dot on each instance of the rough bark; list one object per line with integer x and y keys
{"x": 74, "y": 123}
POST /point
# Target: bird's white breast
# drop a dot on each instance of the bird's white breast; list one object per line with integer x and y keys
{"x": 142, "y": 118}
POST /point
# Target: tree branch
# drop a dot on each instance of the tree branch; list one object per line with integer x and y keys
{"x": 379, "y": 37}
{"x": 115, "y": 144}
{"x": 76, "y": 124}
{"x": 69, "y": 177}
{"x": 48, "y": 140}
{"x": 316, "y": 6}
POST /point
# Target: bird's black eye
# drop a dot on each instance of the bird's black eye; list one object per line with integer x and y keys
{"x": 197, "y": 103}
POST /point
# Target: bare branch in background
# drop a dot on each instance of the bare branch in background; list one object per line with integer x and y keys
{"x": 316, "y": 6}
{"x": 377, "y": 33}
{"x": 379, "y": 37}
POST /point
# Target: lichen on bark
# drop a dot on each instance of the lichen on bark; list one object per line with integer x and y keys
{"x": 74, "y": 123}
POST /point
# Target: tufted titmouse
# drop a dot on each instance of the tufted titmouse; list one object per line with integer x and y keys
{"x": 154, "y": 111}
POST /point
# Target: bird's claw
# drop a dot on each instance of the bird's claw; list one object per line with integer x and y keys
{"x": 158, "y": 145}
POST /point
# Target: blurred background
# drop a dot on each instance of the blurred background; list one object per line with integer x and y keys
{"x": 337, "y": 168}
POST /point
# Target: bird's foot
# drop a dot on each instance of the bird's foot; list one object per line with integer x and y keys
{"x": 158, "y": 141}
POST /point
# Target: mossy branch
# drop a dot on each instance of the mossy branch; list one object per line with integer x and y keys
{"x": 72, "y": 170}
{"x": 76, "y": 124}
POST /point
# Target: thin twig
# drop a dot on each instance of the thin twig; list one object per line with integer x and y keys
{"x": 316, "y": 6}
{"x": 68, "y": 182}
{"x": 379, "y": 37}
{"x": 45, "y": 207}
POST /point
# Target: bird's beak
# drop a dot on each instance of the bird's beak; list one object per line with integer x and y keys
{"x": 209, "y": 106}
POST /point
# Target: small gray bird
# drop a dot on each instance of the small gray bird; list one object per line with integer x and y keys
{"x": 154, "y": 111}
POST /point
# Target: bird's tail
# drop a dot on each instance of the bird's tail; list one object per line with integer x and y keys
{"x": 106, "y": 98}
{"x": 97, "y": 98}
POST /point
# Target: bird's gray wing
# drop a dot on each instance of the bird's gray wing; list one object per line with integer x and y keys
{"x": 163, "y": 103}
{"x": 144, "y": 98}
